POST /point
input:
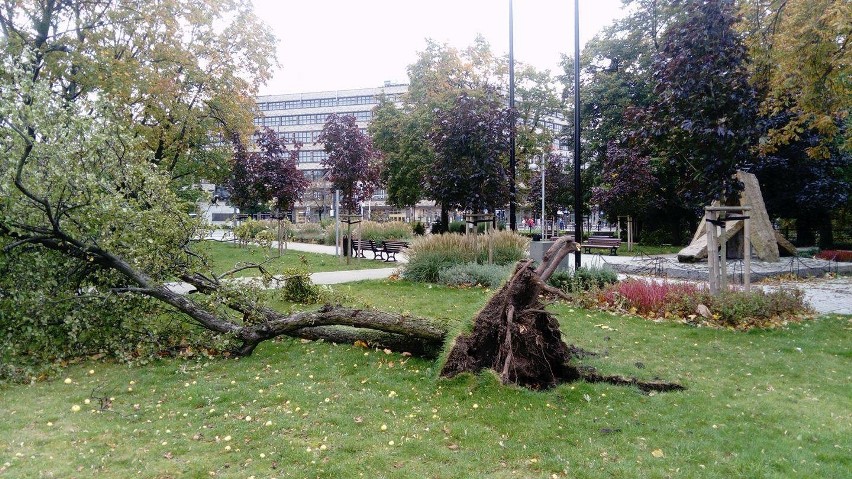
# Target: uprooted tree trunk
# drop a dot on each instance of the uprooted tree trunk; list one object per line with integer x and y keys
{"x": 514, "y": 335}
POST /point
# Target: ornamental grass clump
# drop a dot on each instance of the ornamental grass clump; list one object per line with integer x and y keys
{"x": 583, "y": 279}
{"x": 647, "y": 298}
{"x": 373, "y": 230}
{"x": 473, "y": 274}
{"x": 307, "y": 233}
{"x": 429, "y": 255}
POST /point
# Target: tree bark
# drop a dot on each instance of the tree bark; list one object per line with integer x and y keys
{"x": 514, "y": 335}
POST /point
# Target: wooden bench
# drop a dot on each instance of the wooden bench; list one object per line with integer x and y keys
{"x": 602, "y": 242}
{"x": 391, "y": 248}
{"x": 358, "y": 246}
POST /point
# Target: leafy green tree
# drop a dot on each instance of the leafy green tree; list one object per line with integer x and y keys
{"x": 183, "y": 90}
{"x": 407, "y": 153}
{"x": 438, "y": 78}
{"x": 802, "y": 67}
{"x": 558, "y": 186}
{"x": 90, "y": 174}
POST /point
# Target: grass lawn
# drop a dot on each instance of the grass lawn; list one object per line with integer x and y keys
{"x": 758, "y": 404}
{"x": 225, "y": 256}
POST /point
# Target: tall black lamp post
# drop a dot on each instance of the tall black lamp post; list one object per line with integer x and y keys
{"x": 578, "y": 196}
{"x": 513, "y": 225}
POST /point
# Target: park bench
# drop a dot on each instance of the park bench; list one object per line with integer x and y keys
{"x": 391, "y": 248}
{"x": 602, "y": 242}
{"x": 358, "y": 247}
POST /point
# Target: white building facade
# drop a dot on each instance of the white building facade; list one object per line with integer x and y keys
{"x": 301, "y": 117}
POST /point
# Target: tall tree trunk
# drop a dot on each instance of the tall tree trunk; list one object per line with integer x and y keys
{"x": 445, "y": 219}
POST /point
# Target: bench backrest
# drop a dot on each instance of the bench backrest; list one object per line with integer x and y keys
{"x": 395, "y": 245}
{"x": 603, "y": 240}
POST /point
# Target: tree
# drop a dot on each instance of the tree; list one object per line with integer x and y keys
{"x": 811, "y": 191}
{"x": 469, "y": 140}
{"x": 628, "y": 186}
{"x": 268, "y": 175}
{"x": 90, "y": 212}
{"x": 406, "y": 151}
{"x": 183, "y": 90}
{"x": 437, "y": 79}
{"x": 352, "y": 161}
{"x": 802, "y": 66}
{"x": 702, "y": 125}
{"x": 558, "y": 187}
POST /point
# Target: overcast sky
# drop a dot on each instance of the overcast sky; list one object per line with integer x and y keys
{"x": 343, "y": 44}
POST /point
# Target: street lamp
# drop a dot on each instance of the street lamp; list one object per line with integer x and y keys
{"x": 578, "y": 196}
{"x": 512, "y": 131}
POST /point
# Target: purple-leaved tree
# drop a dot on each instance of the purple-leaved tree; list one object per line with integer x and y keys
{"x": 268, "y": 175}
{"x": 352, "y": 162}
{"x": 470, "y": 139}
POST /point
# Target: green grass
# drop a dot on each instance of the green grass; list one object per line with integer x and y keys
{"x": 226, "y": 256}
{"x": 758, "y": 404}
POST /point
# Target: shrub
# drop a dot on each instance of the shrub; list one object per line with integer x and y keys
{"x": 583, "y": 279}
{"x": 738, "y": 309}
{"x": 835, "y": 255}
{"x": 741, "y": 309}
{"x": 248, "y": 230}
{"x": 419, "y": 229}
{"x": 473, "y": 274}
{"x": 653, "y": 238}
{"x": 298, "y": 287}
{"x": 457, "y": 227}
{"x": 429, "y": 255}
{"x": 307, "y": 233}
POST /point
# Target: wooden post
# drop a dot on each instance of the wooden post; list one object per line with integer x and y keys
{"x": 747, "y": 253}
{"x": 718, "y": 271}
{"x": 723, "y": 255}
{"x": 629, "y": 233}
{"x": 712, "y": 253}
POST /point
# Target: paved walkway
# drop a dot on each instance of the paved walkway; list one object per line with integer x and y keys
{"x": 826, "y": 295}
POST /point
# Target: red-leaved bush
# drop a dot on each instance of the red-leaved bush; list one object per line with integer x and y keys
{"x": 648, "y": 297}
{"x": 835, "y": 255}
{"x": 734, "y": 308}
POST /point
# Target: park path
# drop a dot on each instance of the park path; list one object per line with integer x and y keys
{"x": 825, "y": 295}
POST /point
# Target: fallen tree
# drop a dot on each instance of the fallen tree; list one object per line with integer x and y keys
{"x": 517, "y": 338}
